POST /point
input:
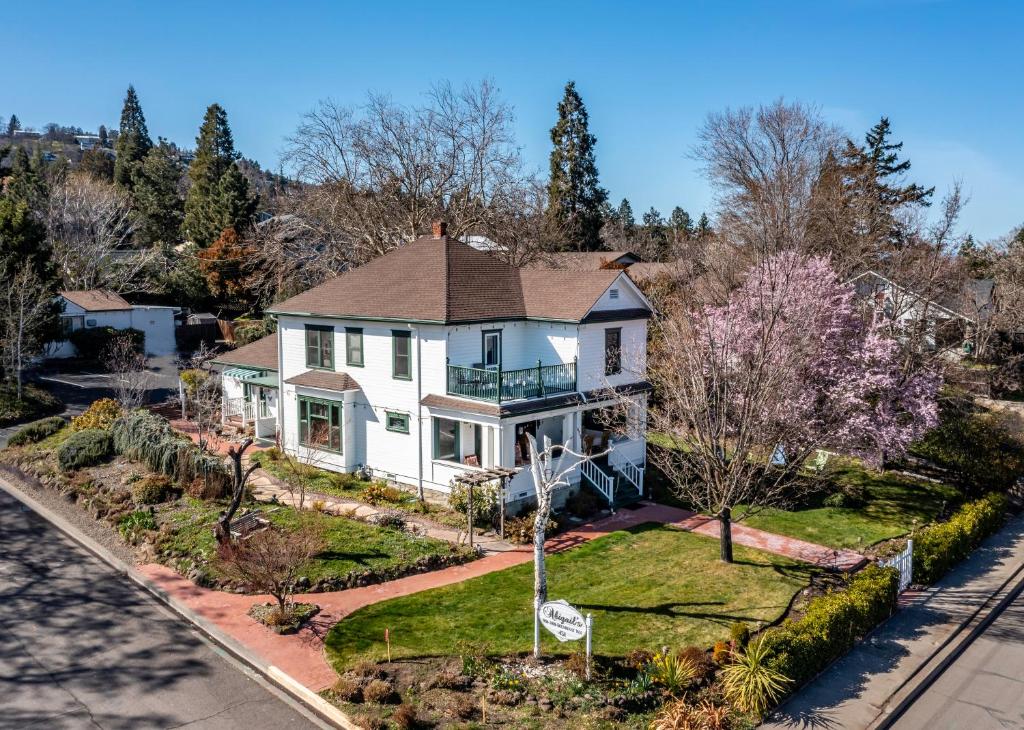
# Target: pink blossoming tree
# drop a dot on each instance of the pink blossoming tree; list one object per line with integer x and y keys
{"x": 750, "y": 388}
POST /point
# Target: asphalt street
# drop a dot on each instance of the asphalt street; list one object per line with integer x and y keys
{"x": 983, "y": 688}
{"x": 81, "y": 646}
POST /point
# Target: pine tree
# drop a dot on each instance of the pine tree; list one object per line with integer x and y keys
{"x": 98, "y": 163}
{"x": 575, "y": 198}
{"x": 160, "y": 207}
{"x": 624, "y": 216}
{"x": 235, "y": 205}
{"x": 13, "y": 125}
{"x": 703, "y": 226}
{"x": 883, "y": 158}
{"x": 22, "y": 236}
{"x": 133, "y": 140}
{"x": 104, "y": 139}
{"x": 681, "y": 223}
{"x": 215, "y": 155}
{"x": 26, "y": 181}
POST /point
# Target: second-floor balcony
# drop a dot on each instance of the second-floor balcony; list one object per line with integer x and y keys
{"x": 498, "y": 386}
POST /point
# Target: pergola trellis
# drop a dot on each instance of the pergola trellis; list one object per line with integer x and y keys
{"x": 479, "y": 477}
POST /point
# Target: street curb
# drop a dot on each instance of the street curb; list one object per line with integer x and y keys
{"x": 285, "y": 682}
{"x": 948, "y": 652}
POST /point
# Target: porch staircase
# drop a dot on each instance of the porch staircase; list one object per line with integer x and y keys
{"x": 614, "y": 485}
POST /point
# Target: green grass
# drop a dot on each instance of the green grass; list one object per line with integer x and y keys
{"x": 646, "y": 587}
{"x": 351, "y": 545}
{"x": 894, "y": 502}
{"x": 311, "y": 477}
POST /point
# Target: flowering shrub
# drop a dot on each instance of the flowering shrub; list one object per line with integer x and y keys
{"x": 485, "y": 501}
{"x": 939, "y": 547}
{"x": 101, "y": 414}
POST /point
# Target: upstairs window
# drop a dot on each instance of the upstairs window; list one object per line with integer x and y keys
{"x": 613, "y": 351}
{"x": 492, "y": 349}
{"x": 354, "y": 346}
{"x": 401, "y": 354}
{"x": 319, "y": 347}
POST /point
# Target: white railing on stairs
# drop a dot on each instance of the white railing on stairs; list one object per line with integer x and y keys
{"x": 633, "y": 473}
{"x": 601, "y": 481}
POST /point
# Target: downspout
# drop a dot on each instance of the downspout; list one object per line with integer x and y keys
{"x": 279, "y": 436}
{"x": 419, "y": 413}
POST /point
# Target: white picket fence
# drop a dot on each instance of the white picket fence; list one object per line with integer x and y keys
{"x": 904, "y": 563}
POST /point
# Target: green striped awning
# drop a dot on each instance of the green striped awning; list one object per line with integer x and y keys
{"x": 240, "y": 373}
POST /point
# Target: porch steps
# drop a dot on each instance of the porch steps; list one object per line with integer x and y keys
{"x": 624, "y": 493}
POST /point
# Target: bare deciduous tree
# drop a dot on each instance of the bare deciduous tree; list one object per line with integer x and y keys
{"x": 132, "y": 378}
{"x": 200, "y": 397}
{"x": 27, "y": 310}
{"x": 88, "y": 225}
{"x": 384, "y": 171}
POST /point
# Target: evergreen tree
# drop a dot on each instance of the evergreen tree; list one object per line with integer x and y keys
{"x": 133, "y": 140}
{"x": 681, "y": 223}
{"x": 26, "y": 181}
{"x": 214, "y": 156}
{"x": 13, "y": 125}
{"x": 160, "y": 207}
{"x": 22, "y": 236}
{"x": 883, "y": 159}
{"x": 104, "y": 140}
{"x": 235, "y": 205}
{"x": 625, "y": 218}
{"x": 703, "y": 226}
{"x": 575, "y": 198}
{"x": 98, "y": 163}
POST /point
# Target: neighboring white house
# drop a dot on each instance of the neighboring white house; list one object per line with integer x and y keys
{"x": 437, "y": 359}
{"x": 250, "y": 382}
{"x": 101, "y": 308}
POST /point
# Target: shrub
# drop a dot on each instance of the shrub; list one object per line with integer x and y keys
{"x": 672, "y": 672}
{"x": 152, "y": 489}
{"x": 937, "y": 548}
{"x": 37, "y": 431}
{"x": 720, "y": 654}
{"x": 348, "y": 689}
{"x": 132, "y": 525}
{"x": 33, "y": 404}
{"x": 381, "y": 493}
{"x": 101, "y": 414}
{"x": 577, "y": 664}
{"x": 485, "y": 502}
{"x": 149, "y": 439}
{"x": 978, "y": 451}
{"x": 800, "y": 649}
{"x": 250, "y": 330}
{"x": 379, "y": 691}
{"x": 405, "y": 717}
{"x": 389, "y": 518}
{"x": 698, "y": 657}
{"x": 92, "y": 343}
{"x": 739, "y": 632}
{"x": 749, "y": 683}
{"x": 639, "y": 658}
{"x": 520, "y": 529}
{"x": 84, "y": 448}
{"x": 681, "y": 716}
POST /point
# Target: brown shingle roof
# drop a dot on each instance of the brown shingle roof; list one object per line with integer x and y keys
{"x": 259, "y": 354}
{"x": 586, "y": 260}
{"x": 325, "y": 380}
{"x": 96, "y": 300}
{"x": 443, "y": 280}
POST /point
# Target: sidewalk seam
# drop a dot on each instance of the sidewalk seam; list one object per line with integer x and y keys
{"x": 291, "y": 686}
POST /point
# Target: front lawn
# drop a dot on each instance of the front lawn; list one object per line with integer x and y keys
{"x": 354, "y": 549}
{"x": 647, "y": 587}
{"x": 894, "y": 504}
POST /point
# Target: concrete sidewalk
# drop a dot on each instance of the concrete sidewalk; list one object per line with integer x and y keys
{"x": 861, "y": 688}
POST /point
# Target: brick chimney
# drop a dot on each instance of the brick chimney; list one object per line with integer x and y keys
{"x": 440, "y": 229}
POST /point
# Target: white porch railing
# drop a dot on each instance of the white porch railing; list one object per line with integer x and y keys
{"x": 904, "y": 563}
{"x": 233, "y": 407}
{"x": 633, "y": 473}
{"x": 601, "y": 481}
{"x": 248, "y": 410}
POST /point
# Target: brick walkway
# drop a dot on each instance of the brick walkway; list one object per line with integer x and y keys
{"x": 302, "y": 656}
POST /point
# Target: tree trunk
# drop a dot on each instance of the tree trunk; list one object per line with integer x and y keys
{"x": 223, "y": 531}
{"x": 725, "y": 539}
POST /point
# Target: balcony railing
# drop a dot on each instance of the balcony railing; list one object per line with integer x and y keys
{"x": 498, "y": 386}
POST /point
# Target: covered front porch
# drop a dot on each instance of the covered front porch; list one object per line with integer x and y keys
{"x": 250, "y": 401}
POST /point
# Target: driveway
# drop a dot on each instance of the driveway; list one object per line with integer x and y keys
{"x": 81, "y": 646}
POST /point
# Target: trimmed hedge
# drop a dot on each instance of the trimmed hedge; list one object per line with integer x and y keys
{"x": 84, "y": 448}
{"x": 91, "y": 343}
{"x": 832, "y": 625}
{"x": 37, "y": 431}
{"x": 938, "y": 548}
{"x": 147, "y": 438}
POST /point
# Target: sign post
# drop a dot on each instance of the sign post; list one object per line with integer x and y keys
{"x": 566, "y": 623}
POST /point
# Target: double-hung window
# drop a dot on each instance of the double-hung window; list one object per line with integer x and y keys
{"x": 354, "y": 346}
{"x": 446, "y": 439}
{"x": 320, "y": 423}
{"x": 401, "y": 354}
{"x": 319, "y": 347}
{"x": 613, "y": 351}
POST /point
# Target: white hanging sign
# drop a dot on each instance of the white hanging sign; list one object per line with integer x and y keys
{"x": 562, "y": 620}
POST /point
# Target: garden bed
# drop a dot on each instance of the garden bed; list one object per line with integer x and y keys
{"x": 297, "y": 614}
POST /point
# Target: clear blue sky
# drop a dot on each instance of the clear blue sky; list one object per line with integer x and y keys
{"x": 950, "y": 75}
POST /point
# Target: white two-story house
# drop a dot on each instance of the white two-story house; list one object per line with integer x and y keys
{"x": 437, "y": 359}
